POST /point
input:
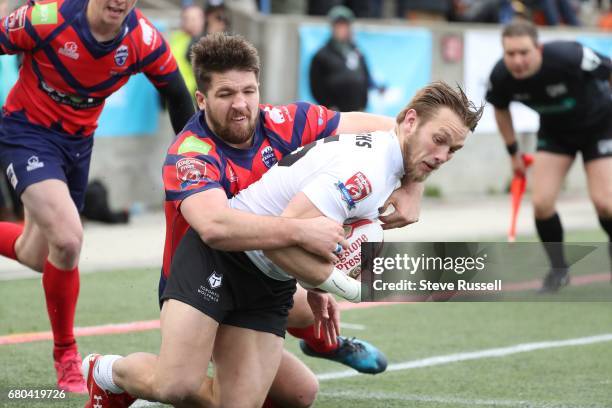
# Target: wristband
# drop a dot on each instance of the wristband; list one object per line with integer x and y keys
{"x": 340, "y": 284}
{"x": 512, "y": 148}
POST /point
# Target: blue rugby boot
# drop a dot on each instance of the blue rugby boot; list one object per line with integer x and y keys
{"x": 355, "y": 353}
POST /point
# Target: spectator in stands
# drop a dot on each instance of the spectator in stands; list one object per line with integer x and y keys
{"x": 558, "y": 11}
{"x": 360, "y": 8}
{"x": 478, "y": 11}
{"x": 428, "y": 10}
{"x": 216, "y": 19}
{"x": 339, "y": 75}
{"x": 192, "y": 28}
{"x": 321, "y": 7}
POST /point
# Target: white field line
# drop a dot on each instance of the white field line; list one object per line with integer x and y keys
{"x": 352, "y": 326}
{"x": 447, "y": 359}
{"x": 451, "y": 401}
{"x": 475, "y": 355}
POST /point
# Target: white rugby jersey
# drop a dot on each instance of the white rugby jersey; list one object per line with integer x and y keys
{"x": 345, "y": 176}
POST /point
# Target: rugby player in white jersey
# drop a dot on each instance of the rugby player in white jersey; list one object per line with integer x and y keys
{"x": 342, "y": 177}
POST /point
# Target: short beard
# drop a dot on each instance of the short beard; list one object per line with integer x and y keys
{"x": 412, "y": 176}
{"x": 229, "y": 136}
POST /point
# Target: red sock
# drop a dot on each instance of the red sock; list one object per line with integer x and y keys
{"x": 9, "y": 231}
{"x": 308, "y": 335}
{"x": 61, "y": 292}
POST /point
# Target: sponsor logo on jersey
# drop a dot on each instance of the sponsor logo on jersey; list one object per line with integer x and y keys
{"x": 194, "y": 144}
{"x": 275, "y": 114}
{"x": 215, "y": 280}
{"x": 232, "y": 175}
{"x": 16, "y": 20}
{"x": 521, "y": 97}
{"x": 268, "y": 157}
{"x": 121, "y": 55}
{"x": 590, "y": 60}
{"x": 555, "y": 90}
{"x": 604, "y": 146}
{"x": 44, "y": 14}
{"x": 10, "y": 174}
{"x": 358, "y": 186}
{"x": 346, "y": 196}
{"x": 148, "y": 33}
{"x": 34, "y": 163}
{"x": 70, "y": 50}
{"x": 190, "y": 171}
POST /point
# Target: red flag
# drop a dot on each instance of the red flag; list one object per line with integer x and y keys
{"x": 517, "y": 189}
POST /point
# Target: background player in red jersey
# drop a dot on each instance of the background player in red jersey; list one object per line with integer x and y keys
{"x": 76, "y": 53}
{"x": 228, "y": 145}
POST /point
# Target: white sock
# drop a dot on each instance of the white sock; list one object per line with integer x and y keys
{"x": 103, "y": 374}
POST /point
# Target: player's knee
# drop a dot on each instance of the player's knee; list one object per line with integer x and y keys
{"x": 543, "y": 208}
{"x": 603, "y": 205}
{"x": 302, "y": 395}
{"x": 67, "y": 246}
{"x": 306, "y": 395}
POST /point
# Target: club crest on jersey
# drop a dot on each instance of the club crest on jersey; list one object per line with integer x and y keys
{"x": 190, "y": 171}
{"x": 70, "y": 50}
{"x": 121, "y": 55}
{"x": 355, "y": 189}
{"x": 268, "y": 157}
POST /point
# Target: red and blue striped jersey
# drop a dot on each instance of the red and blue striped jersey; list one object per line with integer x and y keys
{"x": 198, "y": 160}
{"x": 67, "y": 74}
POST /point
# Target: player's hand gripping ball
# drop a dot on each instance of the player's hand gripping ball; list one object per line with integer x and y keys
{"x": 357, "y": 232}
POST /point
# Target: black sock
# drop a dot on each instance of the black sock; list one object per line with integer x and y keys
{"x": 550, "y": 230}
{"x": 606, "y": 224}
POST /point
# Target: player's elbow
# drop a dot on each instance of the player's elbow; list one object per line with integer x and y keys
{"x": 214, "y": 235}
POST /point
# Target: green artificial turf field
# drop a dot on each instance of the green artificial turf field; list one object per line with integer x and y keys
{"x": 440, "y": 354}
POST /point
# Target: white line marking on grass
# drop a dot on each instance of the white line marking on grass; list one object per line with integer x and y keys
{"x": 452, "y": 401}
{"x": 352, "y": 326}
{"x": 147, "y": 404}
{"x": 475, "y": 355}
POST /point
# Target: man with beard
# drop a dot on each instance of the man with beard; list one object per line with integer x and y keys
{"x": 223, "y": 149}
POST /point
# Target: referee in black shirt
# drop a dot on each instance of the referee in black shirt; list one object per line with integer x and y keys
{"x": 568, "y": 85}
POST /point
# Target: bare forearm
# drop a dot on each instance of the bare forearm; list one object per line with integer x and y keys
{"x": 316, "y": 272}
{"x": 233, "y": 230}
{"x": 357, "y": 122}
{"x": 300, "y": 264}
{"x": 503, "y": 118}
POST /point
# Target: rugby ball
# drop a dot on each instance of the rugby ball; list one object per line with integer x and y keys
{"x": 357, "y": 232}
